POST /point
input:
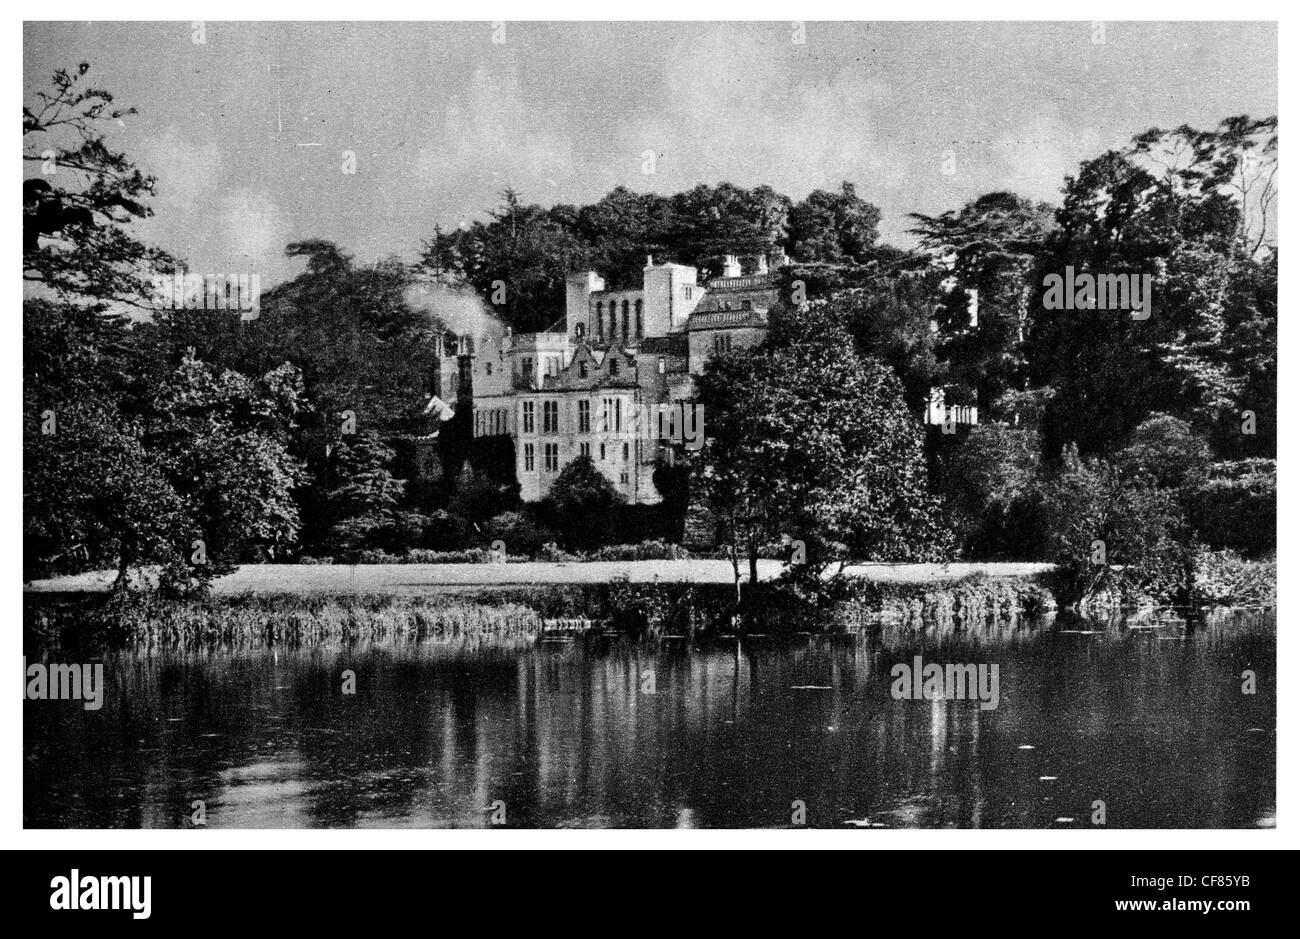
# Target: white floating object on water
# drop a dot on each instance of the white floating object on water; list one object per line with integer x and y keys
{"x": 1061, "y": 820}
{"x": 810, "y": 687}
{"x": 1047, "y": 778}
{"x": 1026, "y": 746}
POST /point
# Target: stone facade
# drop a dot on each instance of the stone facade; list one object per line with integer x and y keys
{"x": 596, "y": 383}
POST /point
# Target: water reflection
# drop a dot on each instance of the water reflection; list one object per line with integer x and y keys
{"x": 1150, "y": 721}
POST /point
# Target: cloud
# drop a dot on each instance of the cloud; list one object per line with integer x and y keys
{"x": 188, "y": 171}
{"x": 733, "y": 112}
{"x": 255, "y": 231}
{"x": 496, "y": 127}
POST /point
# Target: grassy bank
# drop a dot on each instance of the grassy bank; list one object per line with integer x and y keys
{"x": 638, "y": 610}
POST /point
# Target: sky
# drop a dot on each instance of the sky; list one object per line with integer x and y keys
{"x": 247, "y": 131}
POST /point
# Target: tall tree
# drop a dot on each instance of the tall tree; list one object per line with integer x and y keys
{"x": 79, "y": 195}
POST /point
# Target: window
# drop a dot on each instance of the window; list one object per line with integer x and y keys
{"x": 550, "y": 417}
{"x": 602, "y": 451}
{"x": 722, "y": 342}
{"x": 687, "y": 291}
{"x": 626, "y": 334}
{"x": 600, "y": 322}
{"x": 584, "y": 449}
{"x": 582, "y": 369}
{"x": 613, "y": 323}
{"x": 528, "y": 417}
{"x": 551, "y": 457}
{"x": 663, "y": 365}
{"x": 528, "y": 458}
{"x": 622, "y": 478}
{"x": 613, "y": 364}
{"x": 579, "y": 331}
{"x": 584, "y": 417}
{"x": 528, "y": 371}
{"x": 488, "y": 367}
{"x": 639, "y": 329}
{"x": 624, "y": 453}
{"x": 612, "y": 415}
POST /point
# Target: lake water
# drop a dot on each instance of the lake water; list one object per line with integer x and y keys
{"x": 1152, "y": 722}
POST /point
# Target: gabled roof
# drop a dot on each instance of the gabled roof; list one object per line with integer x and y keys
{"x": 598, "y": 376}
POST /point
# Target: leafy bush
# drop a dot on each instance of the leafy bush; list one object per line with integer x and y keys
{"x": 992, "y": 480}
{"x": 1165, "y": 451}
{"x": 521, "y": 533}
{"x": 653, "y": 549}
{"x": 580, "y": 504}
{"x": 1225, "y": 578}
{"x": 1111, "y": 536}
{"x": 1236, "y": 507}
{"x": 553, "y": 552}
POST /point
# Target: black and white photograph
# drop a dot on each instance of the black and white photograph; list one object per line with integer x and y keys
{"x": 751, "y": 425}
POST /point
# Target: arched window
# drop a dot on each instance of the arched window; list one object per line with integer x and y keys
{"x": 613, "y": 323}
{"x": 600, "y": 322}
{"x": 626, "y": 333}
{"x": 640, "y": 330}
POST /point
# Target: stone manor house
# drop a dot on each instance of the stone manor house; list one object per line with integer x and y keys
{"x": 597, "y": 382}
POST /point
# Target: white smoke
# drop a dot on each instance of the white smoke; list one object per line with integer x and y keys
{"x": 457, "y": 310}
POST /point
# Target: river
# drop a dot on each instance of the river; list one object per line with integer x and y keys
{"x": 1095, "y": 723}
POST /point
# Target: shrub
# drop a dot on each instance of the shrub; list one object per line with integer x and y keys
{"x": 581, "y": 504}
{"x": 1236, "y": 507}
{"x": 992, "y": 484}
{"x": 553, "y": 552}
{"x": 520, "y": 532}
{"x": 1109, "y": 536}
{"x": 1225, "y": 578}
{"x": 1166, "y": 451}
{"x": 653, "y": 549}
